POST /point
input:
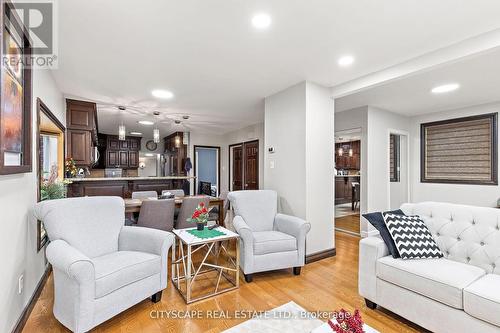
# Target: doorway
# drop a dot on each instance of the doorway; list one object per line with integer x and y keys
{"x": 244, "y": 166}
{"x": 348, "y": 180}
{"x": 207, "y": 170}
{"x": 398, "y": 169}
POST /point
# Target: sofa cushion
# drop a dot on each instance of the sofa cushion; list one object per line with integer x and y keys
{"x": 482, "y": 299}
{"x": 440, "y": 279}
{"x": 118, "y": 269}
{"x": 377, "y": 220}
{"x": 265, "y": 242}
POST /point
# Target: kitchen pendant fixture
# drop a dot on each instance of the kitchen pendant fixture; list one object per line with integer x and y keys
{"x": 350, "y": 152}
{"x": 185, "y": 138}
{"x": 121, "y": 132}
{"x": 341, "y": 151}
{"x": 156, "y": 135}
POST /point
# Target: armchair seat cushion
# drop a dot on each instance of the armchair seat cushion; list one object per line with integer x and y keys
{"x": 273, "y": 241}
{"x": 482, "y": 299}
{"x": 118, "y": 269}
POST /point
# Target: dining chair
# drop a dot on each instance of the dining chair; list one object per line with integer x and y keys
{"x": 179, "y": 193}
{"x": 144, "y": 194}
{"x": 214, "y": 213}
{"x": 188, "y": 207}
{"x": 157, "y": 214}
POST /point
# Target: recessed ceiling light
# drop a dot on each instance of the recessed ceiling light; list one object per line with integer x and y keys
{"x": 261, "y": 21}
{"x": 146, "y": 122}
{"x": 135, "y": 133}
{"x": 165, "y": 94}
{"x": 445, "y": 88}
{"x": 345, "y": 61}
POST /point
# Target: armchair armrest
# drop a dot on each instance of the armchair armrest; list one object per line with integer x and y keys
{"x": 147, "y": 240}
{"x": 292, "y": 225}
{"x": 71, "y": 261}
{"x": 246, "y": 243}
{"x": 295, "y": 227}
{"x": 370, "y": 250}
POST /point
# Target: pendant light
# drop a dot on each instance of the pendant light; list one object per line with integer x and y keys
{"x": 156, "y": 135}
{"x": 122, "y": 131}
{"x": 351, "y": 152}
{"x": 341, "y": 151}
{"x": 177, "y": 141}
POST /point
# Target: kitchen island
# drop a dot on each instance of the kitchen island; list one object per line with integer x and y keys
{"x": 124, "y": 186}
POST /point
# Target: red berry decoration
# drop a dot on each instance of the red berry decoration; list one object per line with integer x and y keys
{"x": 347, "y": 323}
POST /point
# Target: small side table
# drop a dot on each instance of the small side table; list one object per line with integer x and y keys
{"x": 213, "y": 248}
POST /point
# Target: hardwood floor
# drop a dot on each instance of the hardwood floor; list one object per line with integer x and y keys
{"x": 348, "y": 223}
{"x": 326, "y": 285}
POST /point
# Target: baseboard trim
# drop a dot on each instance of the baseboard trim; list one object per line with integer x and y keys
{"x": 18, "y": 328}
{"x": 320, "y": 255}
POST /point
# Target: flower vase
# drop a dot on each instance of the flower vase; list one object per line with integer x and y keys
{"x": 200, "y": 226}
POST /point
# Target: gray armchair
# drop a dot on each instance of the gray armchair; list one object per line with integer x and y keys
{"x": 269, "y": 240}
{"x": 101, "y": 267}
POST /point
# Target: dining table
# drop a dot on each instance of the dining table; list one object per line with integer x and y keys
{"x": 134, "y": 205}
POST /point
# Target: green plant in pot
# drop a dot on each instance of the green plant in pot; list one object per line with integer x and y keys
{"x": 53, "y": 188}
{"x": 200, "y": 216}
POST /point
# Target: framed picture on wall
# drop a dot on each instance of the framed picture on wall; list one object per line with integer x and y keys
{"x": 15, "y": 101}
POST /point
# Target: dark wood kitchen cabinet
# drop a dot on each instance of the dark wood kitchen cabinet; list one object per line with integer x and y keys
{"x": 344, "y": 188}
{"x": 81, "y": 131}
{"x": 344, "y": 161}
{"x": 122, "y": 154}
{"x": 177, "y": 152}
{"x": 79, "y": 146}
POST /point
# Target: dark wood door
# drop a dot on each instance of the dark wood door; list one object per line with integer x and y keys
{"x": 237, "y": 168}
{"x": 78, "y": 146}
{"x": 251, "y": 162}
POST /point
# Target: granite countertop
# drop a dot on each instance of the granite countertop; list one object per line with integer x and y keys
{"x": 89, "y": 179}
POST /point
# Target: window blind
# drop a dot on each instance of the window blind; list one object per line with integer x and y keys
{"x": 460, "y": 150}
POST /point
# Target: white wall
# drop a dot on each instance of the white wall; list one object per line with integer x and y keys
{"x": 479, "y": 195}
{"x": 19, "y": 228}
{"x": 297, "y": 121}
{"x": 319, "y": 168}
{"x": 285, "y": 131}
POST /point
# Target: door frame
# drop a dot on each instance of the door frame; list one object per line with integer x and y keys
{"x": 243, "y": 164}
{"x": 218, "y": 166}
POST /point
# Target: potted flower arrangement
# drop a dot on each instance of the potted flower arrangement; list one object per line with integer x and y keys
{"x": 200, "y": 216}
{"x": 70, "y": 167}
{"x": 53, "y": 188}
{"x": 345, "y": 322}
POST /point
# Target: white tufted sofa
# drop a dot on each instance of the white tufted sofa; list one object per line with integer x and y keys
{"x": 457, "y": 293}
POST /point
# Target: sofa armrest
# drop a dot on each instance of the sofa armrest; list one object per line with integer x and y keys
{"x": 71, "y": 261}
{"x": 148, "y": 240}
{"x": 370, "y": 250}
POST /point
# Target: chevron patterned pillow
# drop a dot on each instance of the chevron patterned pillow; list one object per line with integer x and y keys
{"x": 412, "y": 237}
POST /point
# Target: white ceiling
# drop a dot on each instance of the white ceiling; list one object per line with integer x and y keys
{"x": 478, "y": 76}
{"x": 220, "y": 68}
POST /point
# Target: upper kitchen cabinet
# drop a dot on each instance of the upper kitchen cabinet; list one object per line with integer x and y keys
{"x": 81, "y": 125}
{"x": 81, "y": 115}
{"x": 347, "y": 155}
{"x": 120, "y": 153}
